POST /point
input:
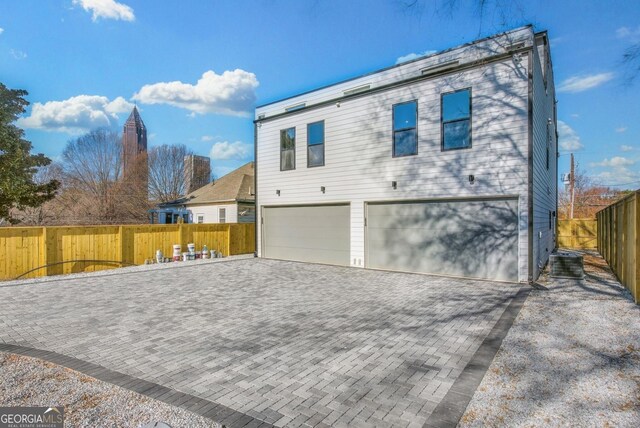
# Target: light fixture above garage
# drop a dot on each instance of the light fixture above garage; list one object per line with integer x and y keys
{"x": 322, "y": 189}
{"x": 278, "y": 192}
{"x": 394, "y": 185}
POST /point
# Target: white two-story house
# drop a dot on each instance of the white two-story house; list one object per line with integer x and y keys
{"x": 446, "y": 165}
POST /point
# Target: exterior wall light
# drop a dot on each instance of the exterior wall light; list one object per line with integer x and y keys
{"x": 322, "y": 189}
{"x": 394, "y": 185}
{"x": 472, "y": 179}
{"x": 278, "y": 192}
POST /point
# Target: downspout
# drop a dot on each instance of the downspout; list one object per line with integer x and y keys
{"x": 255, "y": 185}
{"x": 530, "y": 165}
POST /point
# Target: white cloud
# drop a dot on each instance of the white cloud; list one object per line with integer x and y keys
{"x": 1, "y": 30}
{"x": 207, "y": 138}
{"x": 626, "y": 148}
{"x": 619, "y": 176}
{"x": 575, "y": 115}
{"x": 628, "y": 33}
{"x": 568, "y": 139}
{"x": 412, "y": 56}
{"x": 614, "y": 162}
{"x": 621, "y": 129}
{"x": 225, "y": 150}
{"x": 17, "y": 54}
{"x": 76, "y": 114}
{"x": 584, "y": 82}
{"x": 107, "y": 9}
{"x": 231, "y": 93}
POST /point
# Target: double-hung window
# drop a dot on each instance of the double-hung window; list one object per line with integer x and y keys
{"x": 287, "y": 149}
{"x": 456, "y": 120}
{"x": 405, "y": 131}
{"x": 222, "y": 215}
{"x": 315, "y": 144}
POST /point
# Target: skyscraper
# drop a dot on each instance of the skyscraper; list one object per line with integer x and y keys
{"x": 134, "y": 149}
{"x": 197, "y": 172}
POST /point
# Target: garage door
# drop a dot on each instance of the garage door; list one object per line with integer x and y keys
{"x": 470, "y": 238}
{"x": 318, "y": 234}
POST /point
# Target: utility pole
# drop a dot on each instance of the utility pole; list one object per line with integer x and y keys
{"x": 572, "y": 183}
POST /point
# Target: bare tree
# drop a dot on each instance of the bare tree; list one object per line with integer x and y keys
{"x": 166, "y": 172}
{"x": 589, "y": 197}
{"x": 92, "y": 166}
{"x": 631, "y": 61}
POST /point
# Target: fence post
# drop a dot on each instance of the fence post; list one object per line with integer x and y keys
{"x": 636, "y": 250}
{"x": 121, "y": 243}
{"x": 44, "y": 257}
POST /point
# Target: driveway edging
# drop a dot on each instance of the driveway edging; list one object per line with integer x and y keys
{"x": 200, "y": 406}
{"x": 449, "y": 411}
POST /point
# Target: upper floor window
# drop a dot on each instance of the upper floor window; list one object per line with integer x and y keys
{"x": 222, "y": 215}
{"x": 287, "y": 149}
{"x": 405, "y": 132}
{"x": 456, "y": 120}
{"x": 315, "y": 144}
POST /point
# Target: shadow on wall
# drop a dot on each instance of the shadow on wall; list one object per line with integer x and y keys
{"x": 478, "y": 239}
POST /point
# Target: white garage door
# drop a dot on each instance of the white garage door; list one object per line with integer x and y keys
{"x": 318, "y": 234}
{"x": 469, "y": 238}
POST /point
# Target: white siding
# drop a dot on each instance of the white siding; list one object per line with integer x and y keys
{"x": 359, "y": 165}
{"x": 211, "y": 212}
{"x": 544, "y": 181}
{"x": 464, "y": 54}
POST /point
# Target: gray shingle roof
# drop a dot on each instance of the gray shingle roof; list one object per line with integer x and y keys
{"x": 235, "y": 186}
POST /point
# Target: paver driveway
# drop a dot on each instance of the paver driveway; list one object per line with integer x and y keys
{"x": 282, "y": 342}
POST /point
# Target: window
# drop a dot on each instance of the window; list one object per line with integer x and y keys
{"x": 315, "y": 144}
{"x": 405, "y": 133}
{"x": 456, "y": 120}
{"x": 200, "y": 218}
{"x": 287, "y": 149}
{"x": 222, "y": 215}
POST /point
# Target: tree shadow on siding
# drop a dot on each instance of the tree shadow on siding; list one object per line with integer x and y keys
{"x": 499, "y": 128}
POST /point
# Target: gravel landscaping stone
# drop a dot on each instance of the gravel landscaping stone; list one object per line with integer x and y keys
{"x": 571, "y": 358}
{"x": 88, "y": 402}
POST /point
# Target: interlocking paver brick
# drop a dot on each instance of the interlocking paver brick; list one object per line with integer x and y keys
{"x": 281, "y": 342}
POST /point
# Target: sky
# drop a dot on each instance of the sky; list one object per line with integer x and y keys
{"x": 197, "y": 69}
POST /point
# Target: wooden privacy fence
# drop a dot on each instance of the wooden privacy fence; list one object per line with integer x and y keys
{"x": 578, "y": 233}
{"x": 618, "y": 240}
{"x": 104, "y": 247}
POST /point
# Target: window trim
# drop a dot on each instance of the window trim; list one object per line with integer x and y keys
{"x": 393, "y": 130}
{"x": 220, "y": 217}
{"x": 309, "y": 145}
{"x": 199, "y": 217}
{"x": 442, "y": 122}
{"x": 294, "y": 148}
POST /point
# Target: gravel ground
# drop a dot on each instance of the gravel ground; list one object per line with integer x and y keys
{"x": 88, "y": 402}
{"x": 571, "y": 358}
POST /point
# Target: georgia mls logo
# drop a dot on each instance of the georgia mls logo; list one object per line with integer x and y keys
{"x": 32, "y": 417}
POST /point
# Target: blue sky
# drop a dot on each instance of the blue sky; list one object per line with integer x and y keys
{"x": 196, "y": 69}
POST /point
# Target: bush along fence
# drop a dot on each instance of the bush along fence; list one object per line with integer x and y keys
{"x": 578, "y": 233}
{"x": 618, "y": 240}
{"x": 61, "y": 250}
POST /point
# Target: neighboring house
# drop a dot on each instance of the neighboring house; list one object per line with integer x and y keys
{"x": 446, "y": 164}
{"x": 230, "y": 199}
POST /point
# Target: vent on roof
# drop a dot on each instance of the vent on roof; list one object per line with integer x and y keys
{"x": 295, "y": 107}
{"x": 440, "y": 67}
{"x": 566, "y": 265}
{"x": 261, "y": 116}
{"x": 514, "y": 47}
{"x": 356, "y": 90}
